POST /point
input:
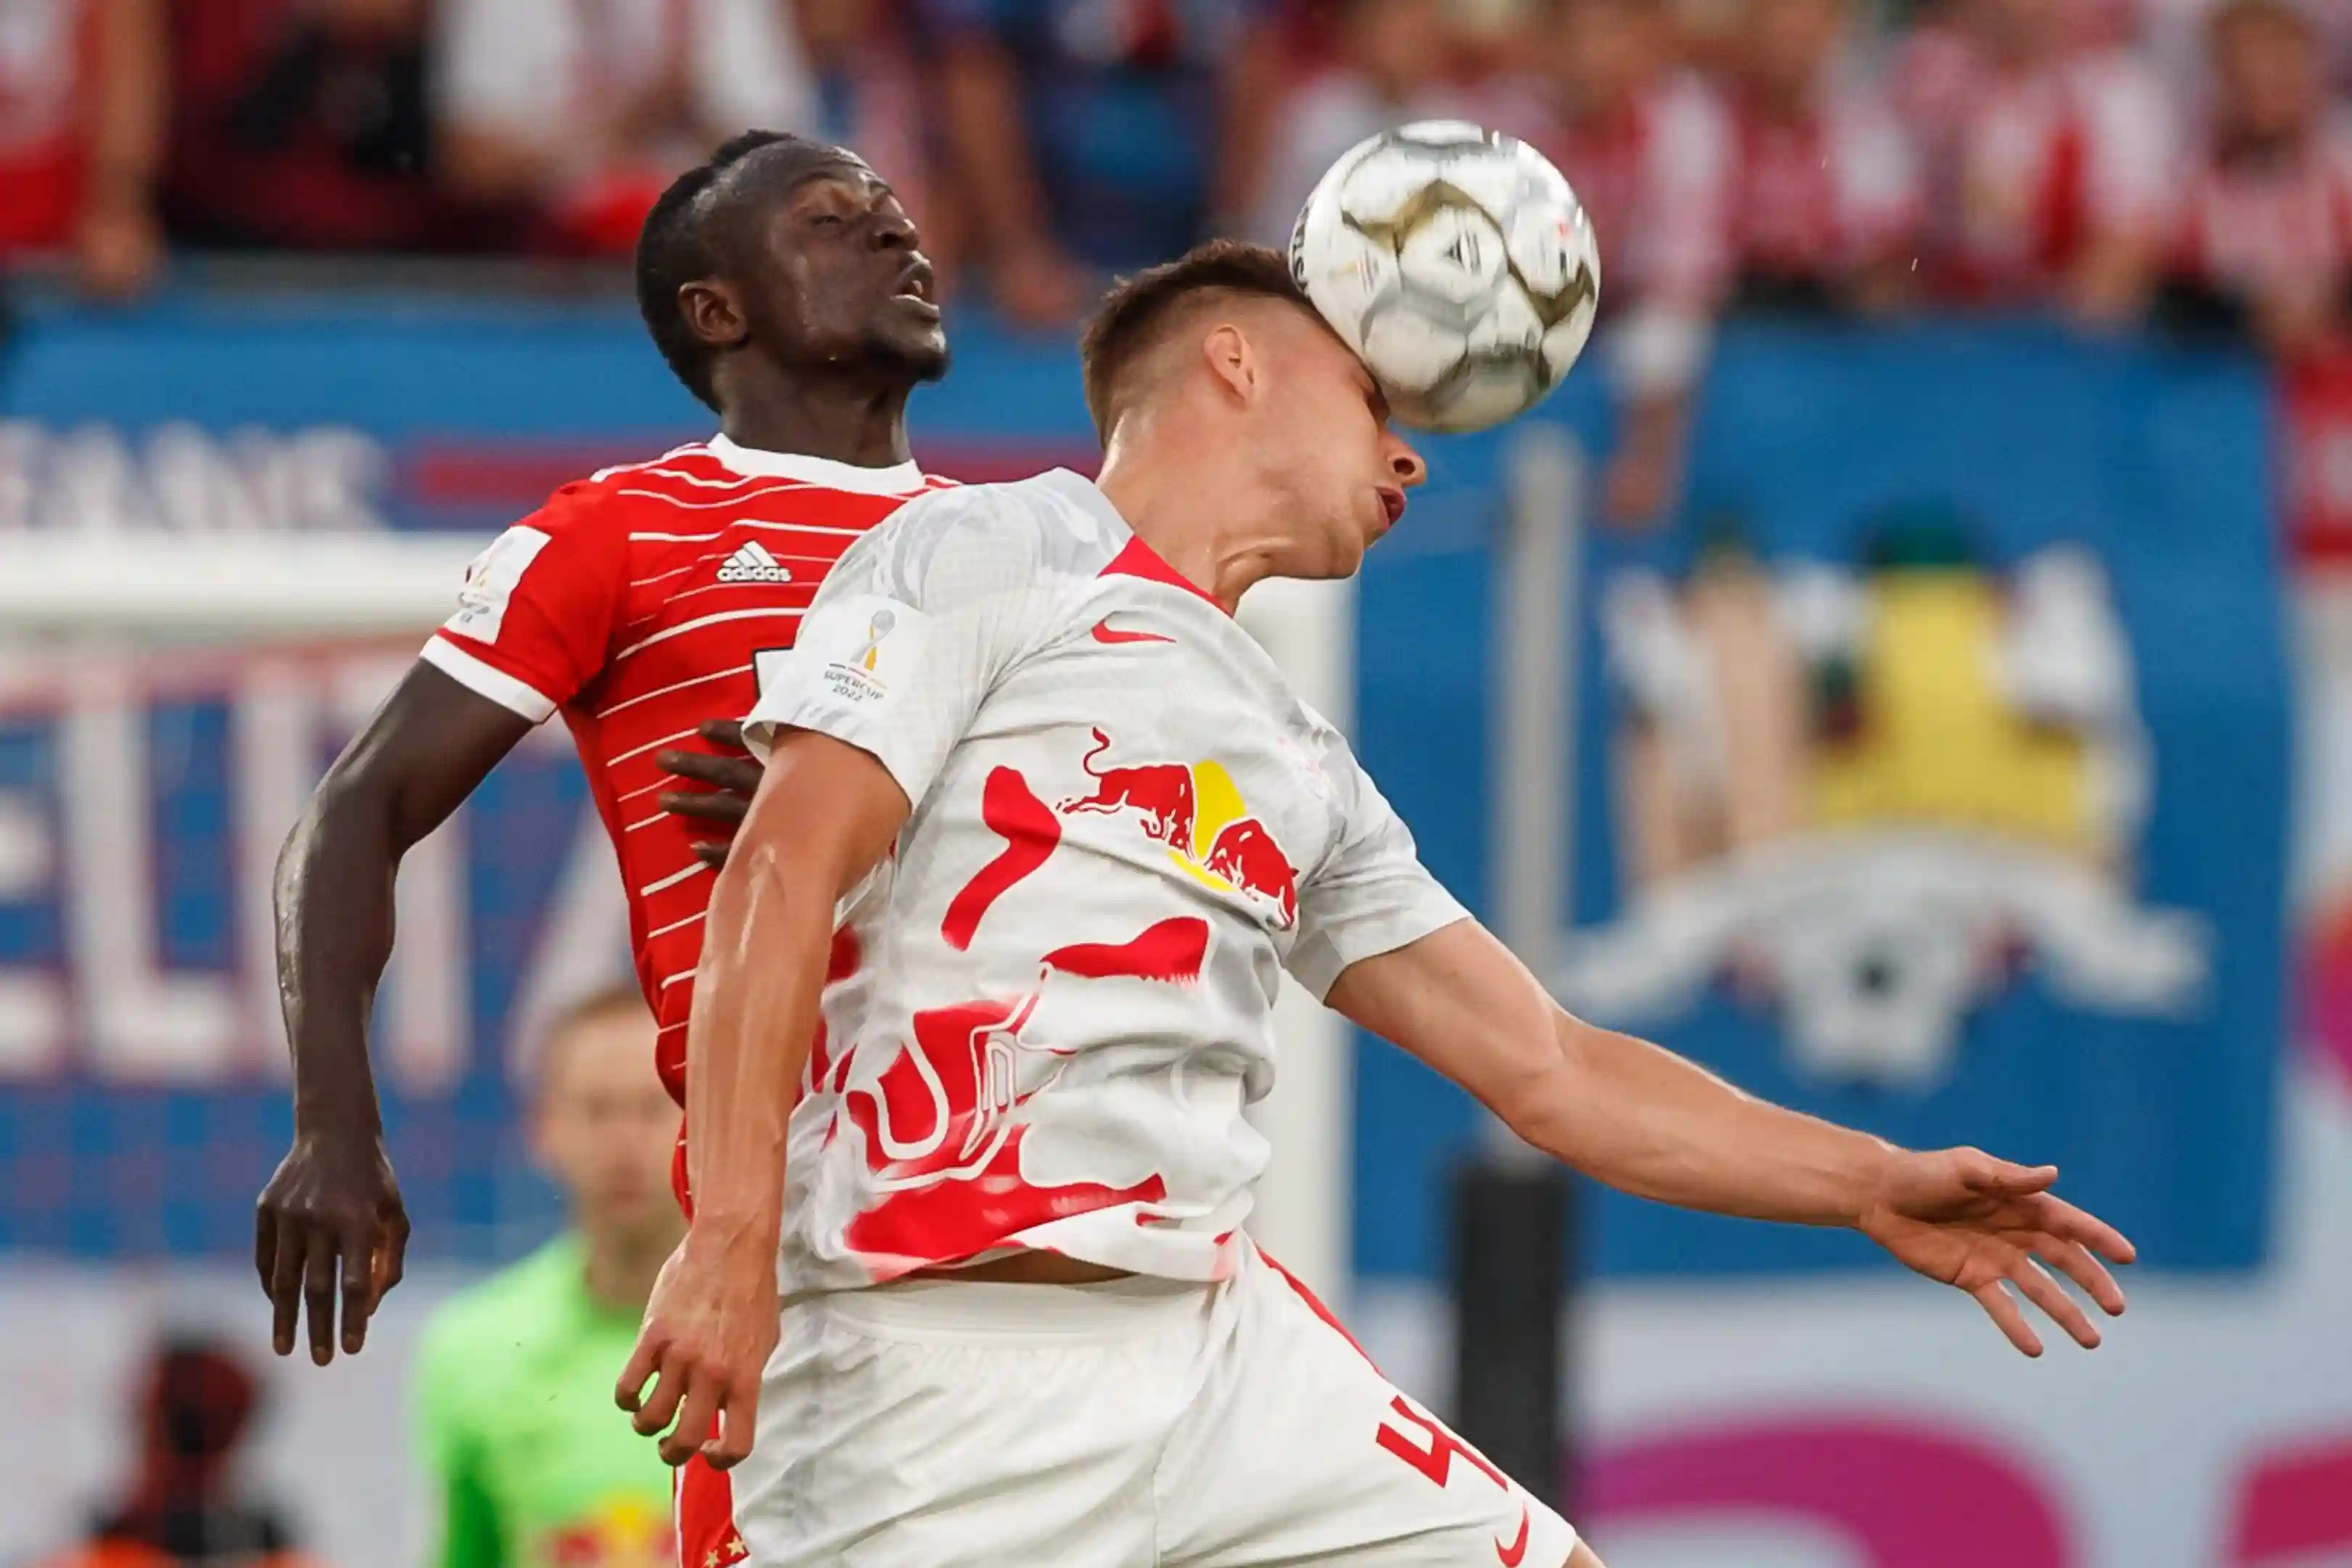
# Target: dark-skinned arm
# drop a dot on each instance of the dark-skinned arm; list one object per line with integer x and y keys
{"x": 824, "y": 816}
{"x": 331, "y": 1220}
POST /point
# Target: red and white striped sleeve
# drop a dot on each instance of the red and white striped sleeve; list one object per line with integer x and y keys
{"x": 536, "y": 616}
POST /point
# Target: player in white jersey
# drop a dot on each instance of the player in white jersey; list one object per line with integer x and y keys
{"x": 1039, "y": 828}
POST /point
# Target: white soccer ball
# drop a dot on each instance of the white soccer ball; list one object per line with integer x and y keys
{"x": 1458, "y": 263}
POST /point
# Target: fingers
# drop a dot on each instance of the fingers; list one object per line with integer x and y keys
{"x": 2062, "y": 1219}
{"x": 2002, "y": 1308}
{"x": 264, "y": 1242}
{"x": 712, "y": 852}
{"x": 392, "y": 1254}
{"x": 629, "y": 1392}
{"x": 698, "y": 1417}
{"x": 654, "y": 1414}
{"x": 2061, "y": 1308}
{"x": 286, "y": 1288}
{"x": 319, "y": 1283}
{"x": 1983, "y": 1173}
{"x": 727, "y": 732}
{"x": 359, "y": 1288}
{"x": 739, "y": 775}
{"x": 727, "y": 809}
{"x": 738, "y": 1418}
{"x": 2073, "y": 1261}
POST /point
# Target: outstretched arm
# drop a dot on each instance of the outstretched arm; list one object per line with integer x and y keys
{"x": 823, "y": 817}
{"x": 331, "y": 1220}
{"x": 1648, "y": 1122}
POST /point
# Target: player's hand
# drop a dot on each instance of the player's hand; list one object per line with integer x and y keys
{"x": 733, "y": 780}
{"x": 1978, "y": 1224}
{"x": 709, "y": 1332}
{"x": 330, "y": 1223}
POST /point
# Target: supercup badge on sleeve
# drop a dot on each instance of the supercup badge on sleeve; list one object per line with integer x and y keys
{"x": 490, "y": 581}
{"x": 864, "y": 644}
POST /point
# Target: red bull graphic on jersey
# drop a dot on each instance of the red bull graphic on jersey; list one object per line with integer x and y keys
{"x": 1198, "y": 811}
{"x": 943, "y": 1125}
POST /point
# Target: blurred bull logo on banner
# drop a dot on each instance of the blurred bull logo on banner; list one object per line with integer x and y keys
{"x": 1873, "y": 796}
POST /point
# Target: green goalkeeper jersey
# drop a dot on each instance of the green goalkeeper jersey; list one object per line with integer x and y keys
{"x": 533, "y": 1465}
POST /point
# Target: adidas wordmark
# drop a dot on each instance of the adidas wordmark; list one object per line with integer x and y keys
{"x": 753, "y": 563}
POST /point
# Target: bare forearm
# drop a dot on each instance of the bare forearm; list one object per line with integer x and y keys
{"x": 334, "y": 904}
{"x": 1649, "y": 1123}
{"x": 756, "y": 1000}
{"x": 419, "y": 756}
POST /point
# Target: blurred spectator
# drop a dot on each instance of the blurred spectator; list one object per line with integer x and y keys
{"x": 1825, "y": 201}
{"x": 869, "y": 97}
{"x": 2052, "y": 159}
{"x": 1398, "y": 61}
{"x": 196, "y": 1402}
{"x": 575, "y": 114}
{"x": 1648, "y": 147}
{"x": 531, "y": 1463}
{"x": 302, "y": 124}
{"x": 2266, "y": 232}
{"x": 1099, "y": 135}
{"x": 81, "y": 130}
{"x": 2177, "y": 33}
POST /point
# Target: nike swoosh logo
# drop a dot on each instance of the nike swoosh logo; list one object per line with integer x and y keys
{"x": 1509, "y": 1555}
{"x": 1105, "y": 633}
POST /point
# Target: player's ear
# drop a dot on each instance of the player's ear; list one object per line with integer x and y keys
{"x": 712, "y": 313}
{"x": 1232, "y": 359}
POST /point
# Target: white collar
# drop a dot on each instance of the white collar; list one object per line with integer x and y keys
{"x": 897, "y": 479}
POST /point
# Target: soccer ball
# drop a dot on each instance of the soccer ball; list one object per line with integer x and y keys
{"x": 1457, "y": 263}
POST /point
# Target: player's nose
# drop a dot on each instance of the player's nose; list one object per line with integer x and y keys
{"x": 894, "y": 230}
{"x": 1404, "y": 461}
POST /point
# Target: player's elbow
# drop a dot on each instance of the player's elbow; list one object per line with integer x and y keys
{"x": 1541, "y": 1097}
{"x": 349, "y": 813}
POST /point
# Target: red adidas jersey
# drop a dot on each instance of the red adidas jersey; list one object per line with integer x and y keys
{"x": 639, "y": 603}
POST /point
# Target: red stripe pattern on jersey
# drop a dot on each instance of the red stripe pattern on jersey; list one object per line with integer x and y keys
{"x": 639, "y": 603}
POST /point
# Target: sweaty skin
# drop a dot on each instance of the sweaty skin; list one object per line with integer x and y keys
{"x": 814, "y": 347}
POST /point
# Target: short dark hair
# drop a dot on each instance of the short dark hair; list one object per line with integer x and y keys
{"x": 679, "y": 246}
{"x": 1130, "y": 316}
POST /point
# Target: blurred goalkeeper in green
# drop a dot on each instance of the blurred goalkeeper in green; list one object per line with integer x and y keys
{"x": 515, "y": 1377}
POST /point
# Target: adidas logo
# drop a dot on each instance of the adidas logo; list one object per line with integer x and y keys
{"x": 753, "y": 563}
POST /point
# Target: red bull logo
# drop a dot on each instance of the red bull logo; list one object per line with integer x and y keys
{"x": 1188, "y": 807}
{"x": 1246, "y": 856}
{"x": 1161, "y": 792}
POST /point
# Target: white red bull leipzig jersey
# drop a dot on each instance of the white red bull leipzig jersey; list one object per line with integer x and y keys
{"x": 1049, "y": 1005}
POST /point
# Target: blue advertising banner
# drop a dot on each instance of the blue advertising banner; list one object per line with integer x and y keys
{"x": 1932, "y": 765}
{"x": 1932, "y": 778}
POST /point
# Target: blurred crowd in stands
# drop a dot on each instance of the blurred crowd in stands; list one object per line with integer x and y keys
{"x": 2104, "y": 159}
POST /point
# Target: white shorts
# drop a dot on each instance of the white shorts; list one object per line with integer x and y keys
{"x": 932, "y": 1424}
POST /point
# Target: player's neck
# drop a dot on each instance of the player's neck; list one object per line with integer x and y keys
{"x": 840, "y": 418}
{"x": 1219, "y": 539}
{"x": 619, "y": 1267}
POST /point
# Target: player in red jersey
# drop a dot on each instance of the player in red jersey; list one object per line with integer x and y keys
{"x": 785, "y": 286}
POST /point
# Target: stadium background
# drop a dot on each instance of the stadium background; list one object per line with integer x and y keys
{"x": 2146, "y": 778}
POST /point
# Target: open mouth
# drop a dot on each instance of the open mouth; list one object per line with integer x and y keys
{"x": 918, "y": 285}
{"x": 1393, "y": 502}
